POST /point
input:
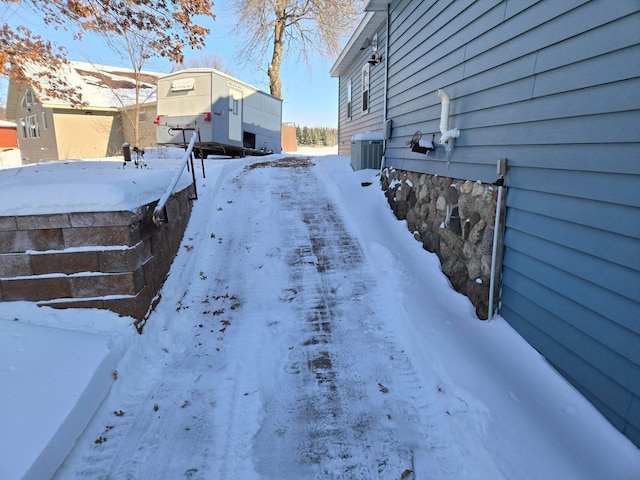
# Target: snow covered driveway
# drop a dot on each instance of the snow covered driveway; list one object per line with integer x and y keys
{"x": 278, "y": 365}
{"x": 289, "y": 344}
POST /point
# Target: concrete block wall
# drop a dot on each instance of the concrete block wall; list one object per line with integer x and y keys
{"x": 110, "y": 260}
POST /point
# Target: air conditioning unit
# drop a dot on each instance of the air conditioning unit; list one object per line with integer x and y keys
{"x": 366, "y": 154}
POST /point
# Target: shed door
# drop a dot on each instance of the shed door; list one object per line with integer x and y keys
{"x": 235, "y": 114}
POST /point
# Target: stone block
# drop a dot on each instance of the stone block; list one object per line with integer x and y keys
{"x": 485, "y": 264}
{"x": 65, "y": 262}
{"x": 478, "y": 190}
{"x": 146, "y": 225}
{"x": 135, "y": 306}
{"x": 15, "y": 265}
{"x": 103, "y": 219}
{"x": 39, "y": 222}
{"x": 466, "y": 188}
{"x": 101, "y": 236}
{"x": 124, "y": 260}
{"x": 75, "y": 303}
{"x": 476, "y": 233}
{"x": 34, "y": 288}
{"x": 451, "y": 194}
{"x": 8, "y": 224}
{"x": 102, "y": 285}
{"x": 474, "y": 268}
{"x": 20, "y": 240}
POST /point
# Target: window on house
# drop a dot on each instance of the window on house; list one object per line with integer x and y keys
{"x": 44, "y": 120}
{"x": 29, "y": 127}
{"x": 28, "y": 100}
{"x": 35, "y": 128}
{"x": 365, "y": 88}
{"x": 142, "y": 116}
{"x": 349, "y": 103}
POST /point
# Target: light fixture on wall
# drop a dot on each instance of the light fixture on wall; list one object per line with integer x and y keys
{"x": 374, "y": 60}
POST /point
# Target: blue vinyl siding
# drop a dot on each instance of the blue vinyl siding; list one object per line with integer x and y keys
{"x": 554, "y": 87}
{"x": 360, "y": 122}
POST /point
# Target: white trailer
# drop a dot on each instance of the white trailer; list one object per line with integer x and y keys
{"x": 231, "y": 117}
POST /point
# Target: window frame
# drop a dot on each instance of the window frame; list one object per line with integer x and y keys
{"x": 366, "y": 88}
{"x": 350, "y": 99}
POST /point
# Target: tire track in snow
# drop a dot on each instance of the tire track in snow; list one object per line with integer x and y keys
{"x": 341, "y": 421}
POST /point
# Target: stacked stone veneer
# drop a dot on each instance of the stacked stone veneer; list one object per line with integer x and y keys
{"x": 454, "y": 219}
{"x": 109, "y": 260}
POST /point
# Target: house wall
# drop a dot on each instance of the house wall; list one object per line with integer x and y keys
{"x": 146, "y": 128}
{"x": 362, "y": 121}
{"x": 553, "y": 87}
{"x": 42, "y": 147}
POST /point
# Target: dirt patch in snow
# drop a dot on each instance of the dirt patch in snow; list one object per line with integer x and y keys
{"x": 287, "y": 162}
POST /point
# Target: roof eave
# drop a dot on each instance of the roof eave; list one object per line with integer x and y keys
{"x": 369, "y": 24}
{"x": 377, "y": 5}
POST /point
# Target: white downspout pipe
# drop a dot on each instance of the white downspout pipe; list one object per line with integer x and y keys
{"x": 494, "y": 252}
{"x": 444, "y": 119}
{"x": 383, "y": 160}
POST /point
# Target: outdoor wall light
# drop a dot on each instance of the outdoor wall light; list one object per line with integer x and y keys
{"x": 374, "y": 60}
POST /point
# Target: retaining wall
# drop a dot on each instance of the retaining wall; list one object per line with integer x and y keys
{"x": 109, "y": 260}
{"x": 454, "y": 219}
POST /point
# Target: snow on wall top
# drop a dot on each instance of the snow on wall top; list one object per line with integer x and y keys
{"x": 85, "y": 186}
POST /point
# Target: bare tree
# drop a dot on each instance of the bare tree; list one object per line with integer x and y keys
{"x": 136, "y": 49}
{"x": 308, "y": 25}
{"x": 169, "y": 26}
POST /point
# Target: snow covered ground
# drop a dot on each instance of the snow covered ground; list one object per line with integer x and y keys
{"x": 302, "y": 334}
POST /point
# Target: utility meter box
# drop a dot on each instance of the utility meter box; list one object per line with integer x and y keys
{"x": 366, "y": 152}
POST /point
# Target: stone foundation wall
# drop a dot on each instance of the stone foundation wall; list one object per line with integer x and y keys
{"x": 454, "y": 219}
{"x": 109, "y": 260}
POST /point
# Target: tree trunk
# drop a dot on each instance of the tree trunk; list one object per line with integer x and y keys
{"x": 275, "y": 84}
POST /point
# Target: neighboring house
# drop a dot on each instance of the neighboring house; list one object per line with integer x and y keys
{"x": 9, "y": 153}
{"x": 53, "y": 129}
{"x": 553, "y": 88}
{"x": 8, "y": 135}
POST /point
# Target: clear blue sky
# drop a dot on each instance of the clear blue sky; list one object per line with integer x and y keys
{"x": 310, "y": 95}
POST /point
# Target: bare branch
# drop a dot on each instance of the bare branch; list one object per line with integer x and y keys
{"x": 286, "y": 26}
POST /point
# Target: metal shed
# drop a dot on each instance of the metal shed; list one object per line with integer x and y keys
{"x": 232, "y": 117}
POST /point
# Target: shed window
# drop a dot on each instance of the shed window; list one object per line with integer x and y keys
{"x": 365, "y": 88}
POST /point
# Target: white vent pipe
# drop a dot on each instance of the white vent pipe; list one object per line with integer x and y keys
{"x": 444, "y": 119}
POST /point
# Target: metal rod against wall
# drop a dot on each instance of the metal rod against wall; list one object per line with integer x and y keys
{"x": 494, "y": 251}
{"x": 157, "y": 212}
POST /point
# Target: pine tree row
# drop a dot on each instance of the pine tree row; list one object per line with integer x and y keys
{"x": 317, "y": 136}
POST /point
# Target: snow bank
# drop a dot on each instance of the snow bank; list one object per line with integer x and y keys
{"x": 10, "y": 158}
{"x": 52, "y": 382}
{"x": 85, "y": 186}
